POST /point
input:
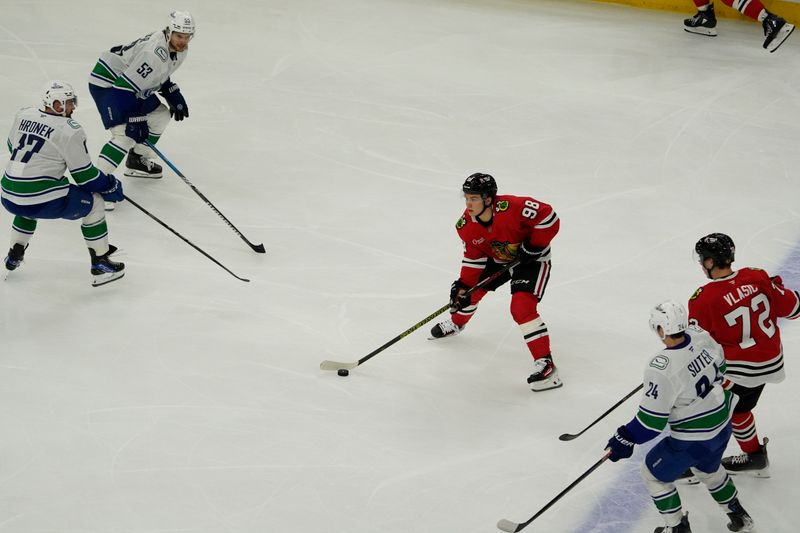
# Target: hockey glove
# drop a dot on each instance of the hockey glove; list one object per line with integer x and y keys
{"x": 528, "y": 253}
{"x": 114, "y": 194}
{"x": 177, "y": 104}
{"x": 137, "y": 129}
{"x": 621, "y": 445}
{"x": 459, "y": 300}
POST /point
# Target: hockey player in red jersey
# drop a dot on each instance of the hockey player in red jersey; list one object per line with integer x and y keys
{"x": 495, "y": 231}
{"x": 740, "y": 308}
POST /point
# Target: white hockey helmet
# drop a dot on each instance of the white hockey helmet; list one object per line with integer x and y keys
{"x": 181, "y": 22}
{"x": 58, "y": 91}
{"x": 671, "y": 316}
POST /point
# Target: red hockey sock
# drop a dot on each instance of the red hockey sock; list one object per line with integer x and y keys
{"x": 744, "y": 430}
{"x": 534, "y": 330}
{"x": 702, "y": 5}
{"x": 748, "y": 8}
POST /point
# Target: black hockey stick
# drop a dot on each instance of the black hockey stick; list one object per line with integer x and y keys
{"x": 570, "y": 436}
{"x": 187, "y": 241}
{"x": 335, "y": 365}
{"x": 258, "y": 248}
{"x": 511, "y": 527}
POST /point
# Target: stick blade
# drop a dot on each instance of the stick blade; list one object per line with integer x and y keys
{"x": 258, "y": 248}
{"x": 508, "y": 525}
{"x": 336, "y": 365}
{"x": 567, "y": 437}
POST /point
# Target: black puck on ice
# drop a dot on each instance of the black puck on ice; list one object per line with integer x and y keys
{"x": 343, "y": 372}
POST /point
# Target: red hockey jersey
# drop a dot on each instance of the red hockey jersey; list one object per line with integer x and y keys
{"x": 740, "y": 312}
{"x": 516, "y": 219}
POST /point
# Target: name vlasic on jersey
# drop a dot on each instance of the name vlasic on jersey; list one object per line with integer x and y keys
{"x": 516, "y": 219}
{"x": 740, "y": 312}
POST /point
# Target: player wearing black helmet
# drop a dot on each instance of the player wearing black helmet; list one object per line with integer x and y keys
{"x": 497, "y": 230}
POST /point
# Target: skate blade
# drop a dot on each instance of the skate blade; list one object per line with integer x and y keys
{"x": 109, "y": 206}
{"x": 104, "y": 279}
{"x": 546, "y": 385}
{"x": 763, "y": 473}
{"x": 140, "y": 174}
{"x": 784, "y": 34}
{"x": 708, "y": 32}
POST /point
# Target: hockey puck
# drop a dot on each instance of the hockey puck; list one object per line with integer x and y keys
{"x": 343, "y": 372}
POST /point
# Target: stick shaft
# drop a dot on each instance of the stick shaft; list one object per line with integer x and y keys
{"x": 623, "y": 400}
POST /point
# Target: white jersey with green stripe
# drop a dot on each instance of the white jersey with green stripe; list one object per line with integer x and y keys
{"x": 683, "y": 388}
{"x": 141, "y": 66}
{"x": 43, "y": 147}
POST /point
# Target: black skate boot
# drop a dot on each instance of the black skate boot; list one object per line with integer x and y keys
{"x": 776, "y": 31}
{"x": 703, "y": 23}
{"x": 545, "y": 375}
{"x": 739, "y": 519}
{"x": 683, "y": 527}
{"x": 756, "y": 463}
{"x": 104, "y": 270}
{"x": 139, "y": 166}
{"x": 15, "y": 256}
{"x": 444, "y": 329}
{"x": 688, "y": 478}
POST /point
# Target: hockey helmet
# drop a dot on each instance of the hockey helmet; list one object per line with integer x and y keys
{"x": 671, "y": 316}
{"x": 181, "y": 22}
{"x": 58, "y": 91}
{"x": 717, "y": 246}
{"x": 482, "y": 184}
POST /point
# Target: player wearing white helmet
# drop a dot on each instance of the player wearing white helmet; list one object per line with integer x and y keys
{"x": 44, "y": 143}
{"x": 124, "y": 83}
{"x": 683, "y": 389}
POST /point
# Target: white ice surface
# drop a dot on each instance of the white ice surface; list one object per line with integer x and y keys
{"x": 338, "y": 133}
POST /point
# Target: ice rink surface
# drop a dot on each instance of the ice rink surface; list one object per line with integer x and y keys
{"x": 338, "y": 133}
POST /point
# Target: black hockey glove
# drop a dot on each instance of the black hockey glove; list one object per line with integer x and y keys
{"x": 177, "y": 103}
{"x": 621, "y": 445}
{"x": 459, "y": 300}
{"x": 528, "y": 253}
{"x": 137, "y": 129}
{"x": 114, "y": 194}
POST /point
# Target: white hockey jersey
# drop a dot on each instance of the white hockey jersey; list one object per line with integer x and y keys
{"x": 141, "y": 66}
{"x": 683, "y": 387}
{"x": 43, "y": 147}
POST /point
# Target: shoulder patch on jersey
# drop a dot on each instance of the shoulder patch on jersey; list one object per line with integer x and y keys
{"x": 696, "y": 294}
{"x": 502, "y": 205}
{"x": 162, "y": 54}
{"x": 461, "y": 222}
{"x": 660, "y": 362}
{"x": 72, "y": 124}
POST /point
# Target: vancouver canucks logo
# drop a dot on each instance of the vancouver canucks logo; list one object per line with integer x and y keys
{"x": 504, "y": 251}
{"x": 161, "y": 52}
{"x": 502, "y": 205}
{"x": 696, "y": 293}
{"x": 461, "y": 223}
{"x": 660, "y": 362}
{"x": 72, "y": 124}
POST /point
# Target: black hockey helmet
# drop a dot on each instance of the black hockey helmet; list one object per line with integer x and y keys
{"x": 482, "y": 184}
{"x": 718, "y": 246}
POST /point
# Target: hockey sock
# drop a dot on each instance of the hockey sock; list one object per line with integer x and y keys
{"x": 665, "y": 497}
{"x": 22, "y": 230}
{"x": 702, "y": 5}
{"x": 749, "y": 8}
{"x": 720, "y": 486}
{"x": 744, "y": 431}
{"x": 534, "y": 330}
{"x": 94, "y": 228}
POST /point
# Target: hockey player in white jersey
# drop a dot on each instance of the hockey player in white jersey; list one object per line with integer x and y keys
{"x": 683, "y": 389}
{"x": 124, "y": 83}
{"x": 44, "y": 144}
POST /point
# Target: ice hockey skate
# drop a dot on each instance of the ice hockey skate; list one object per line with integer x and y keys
{"x": 139, "y": 166}
{"x": 683, "y": 527}
{"x": 755, "y": 464}
{"x": 739, "y": 519}
{"x": 776, "y": 31}
{"x": 444, "y": 329}
{"x": 545, "y": 375}
{"x": 687, "y": 478}
{"x": 14, "y": 258}
{"x": 703, "y": 23}
{"x": 104, "y": 270}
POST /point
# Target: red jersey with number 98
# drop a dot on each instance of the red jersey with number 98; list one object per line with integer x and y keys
{"x": 515, "y": 219}
{"x": 740, "y": 312}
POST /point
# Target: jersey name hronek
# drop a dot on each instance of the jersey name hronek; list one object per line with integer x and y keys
{"x": 29, "y": 126}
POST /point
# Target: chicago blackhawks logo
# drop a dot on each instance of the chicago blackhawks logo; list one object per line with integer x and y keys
{"x": 504, "y": 251}
{"x": 696, "y": 293}
{"x": 502, "y": 205}
{"x": 461, "y": 223}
